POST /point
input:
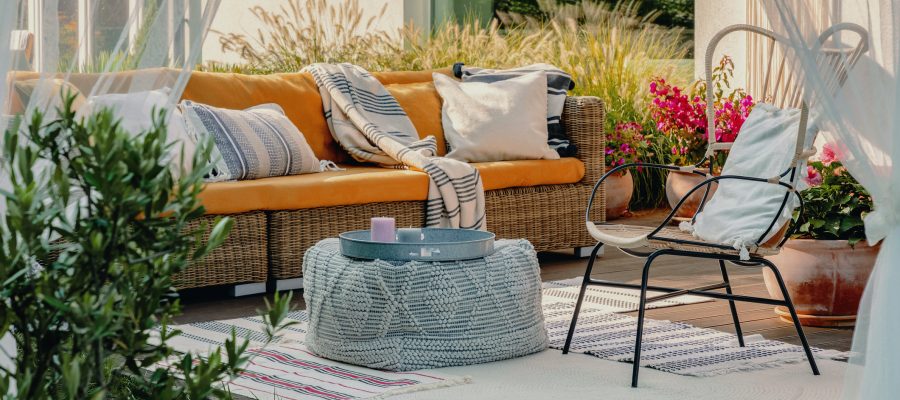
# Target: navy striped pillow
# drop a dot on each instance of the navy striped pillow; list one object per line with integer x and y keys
{"x": 254, "y": 143}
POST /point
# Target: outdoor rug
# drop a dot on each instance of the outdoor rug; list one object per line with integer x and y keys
{"x": 605, "y": 298}
{"x": 667, "y": 346}
{"x": 286, "y": 370}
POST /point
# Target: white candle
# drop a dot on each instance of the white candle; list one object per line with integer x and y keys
{"x": 409, "y": 235}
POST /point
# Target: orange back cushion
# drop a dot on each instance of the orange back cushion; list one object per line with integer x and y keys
{"x": 422, "y": 104}
{"x": 298, "y": 95}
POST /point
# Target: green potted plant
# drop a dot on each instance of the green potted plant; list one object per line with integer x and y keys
{"x": 827, "y": 262}
{"x": 626, "y": 145}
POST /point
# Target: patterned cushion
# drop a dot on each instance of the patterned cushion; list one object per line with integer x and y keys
{"x": 254, "y": 143}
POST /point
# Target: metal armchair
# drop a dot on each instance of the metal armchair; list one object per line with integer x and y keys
{"x": 665, "y": 240}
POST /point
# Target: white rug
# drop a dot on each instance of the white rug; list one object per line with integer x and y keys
{"x": 552, "y": 375}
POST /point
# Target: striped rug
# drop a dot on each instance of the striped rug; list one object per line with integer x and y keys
{"x": 286, "y": 370}
{"x": 605, "y": 298}
{"x": 672, "y": 347}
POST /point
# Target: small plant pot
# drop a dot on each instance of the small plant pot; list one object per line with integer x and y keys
{"x": 619, "y": 189}
{"x": 825, "y": 279}
{"x": 679, "y": 184}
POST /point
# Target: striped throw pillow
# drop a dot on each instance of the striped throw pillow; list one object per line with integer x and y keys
{"x": 254, "y": 143}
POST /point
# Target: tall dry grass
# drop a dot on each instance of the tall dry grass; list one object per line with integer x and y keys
{"x": 611, "y": 51}
{"x": 303, "y": 32}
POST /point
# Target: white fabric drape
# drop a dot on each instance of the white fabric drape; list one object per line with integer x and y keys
{"x": 863, "y": 118}
{"x": 91, "y": 44}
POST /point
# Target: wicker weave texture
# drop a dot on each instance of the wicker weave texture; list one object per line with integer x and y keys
{"x": 291, "y": 233}
{"x": 584, "y": 118}
{"x": 241, "y": 258}
{"x": 550, "y": 217}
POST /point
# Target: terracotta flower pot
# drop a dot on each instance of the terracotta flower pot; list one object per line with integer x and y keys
{"x": 619, "y": 189}
{"x": 825, "y": 279}
{"x": 678, "y": 184}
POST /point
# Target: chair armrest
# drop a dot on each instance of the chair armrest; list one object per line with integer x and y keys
{"x": 584, "y": 120}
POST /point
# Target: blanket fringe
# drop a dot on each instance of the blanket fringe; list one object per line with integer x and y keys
{"x": 327, "y": 165}
{"x": 463, "y": 380}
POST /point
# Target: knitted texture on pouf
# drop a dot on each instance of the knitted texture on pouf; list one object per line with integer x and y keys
{"x": 404, "y": 316}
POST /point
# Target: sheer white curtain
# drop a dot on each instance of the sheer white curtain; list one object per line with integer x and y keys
{"x": 100, "y": 47}
{"x": 864, "y": 119}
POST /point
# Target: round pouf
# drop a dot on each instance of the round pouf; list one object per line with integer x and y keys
{"x": 409, "y": 315}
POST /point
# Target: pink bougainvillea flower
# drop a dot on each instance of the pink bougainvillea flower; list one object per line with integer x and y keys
{"x": 829, "y": 153}
{"x": 813, "y": 177}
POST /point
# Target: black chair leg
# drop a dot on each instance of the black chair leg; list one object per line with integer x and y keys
{"x": 640, "y": 322}
{"x": 584, "y": 285}
{"x": 734, "y": 314}
{"x": 790, "y": 306}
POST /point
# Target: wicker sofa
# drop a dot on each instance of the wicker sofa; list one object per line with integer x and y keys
{"x": 278, "y": 219}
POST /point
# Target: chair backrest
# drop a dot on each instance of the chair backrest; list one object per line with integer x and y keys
{"x": 781, "y": 83}
{"x": 782, "y": 87}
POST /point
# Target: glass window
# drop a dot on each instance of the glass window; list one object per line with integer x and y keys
{"x": 110, "y": 18}
{"x": 67, "y": 12}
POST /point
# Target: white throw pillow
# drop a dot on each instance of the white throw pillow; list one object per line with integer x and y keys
{"x": 741, "y": 211}
{"x": 136, "y": 111}
{"x": 497, "y": 121}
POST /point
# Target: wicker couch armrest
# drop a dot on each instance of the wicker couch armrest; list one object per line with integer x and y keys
{"x": 584, "y": 118}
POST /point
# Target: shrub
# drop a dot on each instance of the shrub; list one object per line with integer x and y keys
{"x": 626, "y": 144}
{"x": 90, "y": 242}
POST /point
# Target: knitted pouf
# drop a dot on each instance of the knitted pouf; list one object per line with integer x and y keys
{"x": 413, "y": 315}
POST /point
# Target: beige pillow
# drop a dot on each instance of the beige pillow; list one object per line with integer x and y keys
{"x": 496, "y": 121}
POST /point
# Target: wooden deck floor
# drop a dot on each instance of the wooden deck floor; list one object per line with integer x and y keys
{"x": 205, "y": 305}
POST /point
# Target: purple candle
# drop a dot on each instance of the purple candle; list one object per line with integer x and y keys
{"x": 383, "y": 229}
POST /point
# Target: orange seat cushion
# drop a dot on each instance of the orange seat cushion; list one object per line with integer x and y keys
{"x": 361, "y": 185}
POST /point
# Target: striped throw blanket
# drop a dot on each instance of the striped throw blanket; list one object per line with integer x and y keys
{"x": 369, "y": 123}
{"x": 558, "y": 82}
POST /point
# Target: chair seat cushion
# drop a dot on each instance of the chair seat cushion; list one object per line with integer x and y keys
{"x": 362, "y": 185}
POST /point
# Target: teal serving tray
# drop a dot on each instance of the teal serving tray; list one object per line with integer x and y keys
{"x": 439, "y": 244}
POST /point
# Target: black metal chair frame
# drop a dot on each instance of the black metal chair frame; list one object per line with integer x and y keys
{"x": 721, "y": 253}
{"x": 703, "y": 291}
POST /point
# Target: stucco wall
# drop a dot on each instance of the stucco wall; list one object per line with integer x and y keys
{"x": 710, "y": 17}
